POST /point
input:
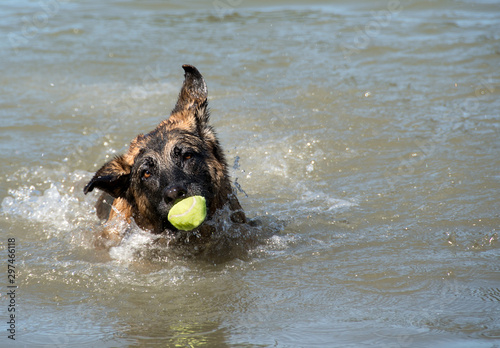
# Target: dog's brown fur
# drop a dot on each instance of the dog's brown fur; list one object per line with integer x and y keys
{"x": 181, "y": 157}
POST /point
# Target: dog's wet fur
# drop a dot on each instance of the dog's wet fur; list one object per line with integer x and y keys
{"x": 181, "y": 157}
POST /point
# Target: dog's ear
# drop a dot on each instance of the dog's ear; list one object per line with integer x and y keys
{"x": 191, "y": 108}
{"x": 112, "y": 178}
{"x": 191, "y": 111}
{"x": 194, "y": 90}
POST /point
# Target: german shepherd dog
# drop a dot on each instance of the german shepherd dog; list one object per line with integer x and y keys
{"x": 181, "y": 157}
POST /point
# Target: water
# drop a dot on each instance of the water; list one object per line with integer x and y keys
{"x": 364, "y": 134}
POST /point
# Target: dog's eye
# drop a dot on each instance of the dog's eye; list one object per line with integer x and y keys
{"x": 187, "y": 156}
{"x": 146, "y": 174}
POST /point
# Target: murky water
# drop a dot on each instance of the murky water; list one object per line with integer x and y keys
{"x": 365, "y": 135}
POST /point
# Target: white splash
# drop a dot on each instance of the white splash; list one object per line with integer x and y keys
{"x": 52, "y": 206}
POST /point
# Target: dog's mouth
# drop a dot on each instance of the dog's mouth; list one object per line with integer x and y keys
{"x": 167, "y": 226}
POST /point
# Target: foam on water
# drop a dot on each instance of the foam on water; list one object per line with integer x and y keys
{"x": 135, "y": 241}
{"x": 319, "y": 201}
{"x": 64, "y": 213}
{"x": 55, "y": 203}
{"x": 60, "y": 207}
{"x": 50, "y": 206}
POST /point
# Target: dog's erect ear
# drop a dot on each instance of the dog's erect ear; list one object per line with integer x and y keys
{"x": 191, "y": 109}
{"x": 112, "y": 178}
{"x": 193, "y": 92}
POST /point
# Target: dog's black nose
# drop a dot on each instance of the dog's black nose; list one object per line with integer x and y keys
{"x": 174, "y": 192}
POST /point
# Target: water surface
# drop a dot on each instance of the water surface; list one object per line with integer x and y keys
{"x": 365, "y": 136}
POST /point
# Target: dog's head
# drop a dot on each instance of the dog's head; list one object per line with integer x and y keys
{"x": 180, "y": 158}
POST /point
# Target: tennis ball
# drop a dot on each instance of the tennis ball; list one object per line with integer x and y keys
{"x": 188, "y": 213}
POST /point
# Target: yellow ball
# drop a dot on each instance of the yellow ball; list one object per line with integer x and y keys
{"x": 189, "y": 213}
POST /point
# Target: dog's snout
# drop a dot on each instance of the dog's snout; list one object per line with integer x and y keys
{"x": 174, "y": 192}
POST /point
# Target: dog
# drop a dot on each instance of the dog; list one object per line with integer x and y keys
{"x": 181, "y": 157}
